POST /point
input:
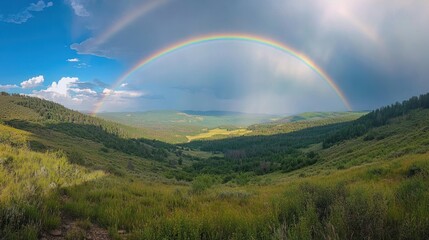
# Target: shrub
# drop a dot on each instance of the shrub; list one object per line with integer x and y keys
{"x": 76, "y": 158}
{"x": 201, "y": 183}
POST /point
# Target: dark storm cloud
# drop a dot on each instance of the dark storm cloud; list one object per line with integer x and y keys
{"x": 375, "y": 50}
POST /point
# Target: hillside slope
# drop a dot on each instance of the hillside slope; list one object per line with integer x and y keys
{"x": 294, "y": 150}
{"x": 285, "y": 186}
{"x": 86, "y": 140}
{"x": 302, "y": 121}
{"x": 28, "y": 183}
{"x": 313, "y": 116}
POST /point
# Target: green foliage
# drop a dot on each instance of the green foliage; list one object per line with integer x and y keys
{"x": 201, "y": 183}
{"x": 256, "y": 187}
{"x": 76, "y": 158}
{"x": 345, "y": 205}
{"x": 50, "y": 123}
{"x": 377, "y": 118}
{"x": 29, "y": 200}
{"x": 75, "y": 234}
{"x": 401, "y": 137}
{"x": 261, "y": 154}
{"x": 315, "y": 211}
{"x": 303, "y": 121}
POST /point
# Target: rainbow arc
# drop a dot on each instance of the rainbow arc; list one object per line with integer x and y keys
{"x": 230, "y": 37}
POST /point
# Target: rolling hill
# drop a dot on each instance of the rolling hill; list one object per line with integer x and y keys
{"x": 86, "y": 140}
{"x": 362, "y": 179}
{"x": 314, "y": 116}
{"x": 303, "y": 121}
{"x": 185, "y": 126}
{"x": 174, "y": 126}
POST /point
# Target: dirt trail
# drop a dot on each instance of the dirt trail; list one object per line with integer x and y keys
{"x": 76, "y": 229}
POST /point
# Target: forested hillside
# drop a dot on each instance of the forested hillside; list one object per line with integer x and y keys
{"x": 302, "y": 121}
{"x": 60, "y": 175}
{"x": 262, "y": 154}
{"x": 21, "y": 107}
{"x": 37, "y": 115}
{"x": 377, "y": 118}
{"x": 294, "y": 150}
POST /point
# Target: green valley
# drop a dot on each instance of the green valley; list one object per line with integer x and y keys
{"x": 326, "y": 178}
{"x": 174, "y": 126}
{"x": 181, "y": 127}
{"x": 214, "y": 120}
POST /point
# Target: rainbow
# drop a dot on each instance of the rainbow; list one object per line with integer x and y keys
{"x": 230, "y": 37}
{"x": 126, "y": 20}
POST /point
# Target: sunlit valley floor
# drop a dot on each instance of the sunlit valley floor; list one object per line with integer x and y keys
{"x": 66, "y": 175}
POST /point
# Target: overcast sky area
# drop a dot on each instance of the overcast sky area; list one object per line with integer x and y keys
{"x": 74, "y": 51}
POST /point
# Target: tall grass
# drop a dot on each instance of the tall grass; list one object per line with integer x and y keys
{"x": 29, "y": 186}
{"x": 390, "y": 202}
{"x": 386, "y": 200}
{"x": 379, "y": 196}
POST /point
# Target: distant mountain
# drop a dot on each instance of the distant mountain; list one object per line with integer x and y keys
{"x": 174, "y": 126}
{"x": 313, "y": 116}
{"x": 303, "y": 121}
{"x": 223, "y": 113}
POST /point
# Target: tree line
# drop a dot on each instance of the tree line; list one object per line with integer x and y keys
{"x": 377, "y": 118}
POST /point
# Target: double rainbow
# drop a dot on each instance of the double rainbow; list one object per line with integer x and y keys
{"x": 229, "y": 37}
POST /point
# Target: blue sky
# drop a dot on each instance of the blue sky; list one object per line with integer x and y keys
{"x": 72, "y": 51}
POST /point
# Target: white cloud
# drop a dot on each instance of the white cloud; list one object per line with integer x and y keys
{"x": 8, "y": 87}
{"x": 82, "y": 65}
{"x": 124, "y": 85}
{"x": 74, "y": 94}
{"x": 66, "y": 92}
{"x": 33, "y": 82}
{"x": 118, "y": 100}
{"x": 122, "y": 93}
{"x": 78, "y": 8}
{"x": 89, "y": 46}
{"x": 85, "y": 91}
{"x": 63, "y": 86}
{"x": 39, "y": 6}
{"x": 78, "y": 63}
{"x": 23, "y": 16}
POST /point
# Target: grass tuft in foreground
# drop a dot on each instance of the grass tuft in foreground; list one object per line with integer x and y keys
{"x": 30, "y": 184}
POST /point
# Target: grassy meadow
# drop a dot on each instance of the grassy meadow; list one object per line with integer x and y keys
{"x": 30, "y": 183}
{"x": 385, "y": 200}
{"x": 284, "y": 186}
{"x": 219, "y": 133}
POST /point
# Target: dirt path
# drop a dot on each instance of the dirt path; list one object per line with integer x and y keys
{"x": 76, "y": 229}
